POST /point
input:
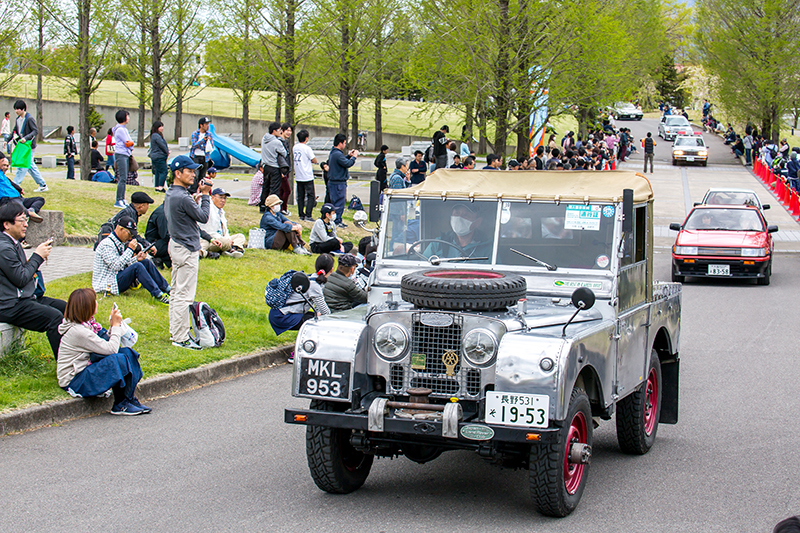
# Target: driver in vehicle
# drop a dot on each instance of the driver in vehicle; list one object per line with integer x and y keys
{"x": 705, "y": 221}
{"x": 466, "y": 235}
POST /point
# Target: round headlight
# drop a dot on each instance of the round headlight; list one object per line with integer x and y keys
{"x": 480, "y": 347}
{"x": 390, "y": 341}
{"x": 309, "y": 346}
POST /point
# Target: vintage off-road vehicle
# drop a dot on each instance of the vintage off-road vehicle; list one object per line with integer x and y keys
{"x": 508, "y": 313}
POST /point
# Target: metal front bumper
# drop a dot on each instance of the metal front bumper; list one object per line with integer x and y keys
{"x": 423, "y": 430}
{"x": 738, "y": 269}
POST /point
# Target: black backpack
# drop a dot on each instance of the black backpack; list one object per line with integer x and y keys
{"x": 428, "y": 155}
{"x": 207, "y": 326}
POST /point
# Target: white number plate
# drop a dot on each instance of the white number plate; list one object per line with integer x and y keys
{"x": 690, "y": 158}
{"x": 515, "y": 409}
{"x": 719, "y": 270}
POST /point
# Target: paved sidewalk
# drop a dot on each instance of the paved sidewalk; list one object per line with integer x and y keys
{"x": 66, "y": 261}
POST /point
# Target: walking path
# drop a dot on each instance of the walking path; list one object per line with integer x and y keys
{"x": 66, "y": 261}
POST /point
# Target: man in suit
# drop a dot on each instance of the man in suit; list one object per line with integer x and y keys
{"x": 26, "y": 130}
{"x": 21, "y": 304}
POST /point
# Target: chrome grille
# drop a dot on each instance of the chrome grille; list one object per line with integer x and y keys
{"x": 715, "y": 250}
{"x": 434, "y": 341}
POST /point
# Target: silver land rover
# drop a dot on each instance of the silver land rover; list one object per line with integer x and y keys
{"x": 509, "y": 313}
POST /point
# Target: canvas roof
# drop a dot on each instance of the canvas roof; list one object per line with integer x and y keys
{"x": 534, "y": 185}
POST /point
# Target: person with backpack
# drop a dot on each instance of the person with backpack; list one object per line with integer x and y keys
{"x": 295, "y": 309}
{"x": 649, "y": 146}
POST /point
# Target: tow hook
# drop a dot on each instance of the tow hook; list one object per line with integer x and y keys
{"x": 359, "y": 441}
{"x": 580, "y": 453}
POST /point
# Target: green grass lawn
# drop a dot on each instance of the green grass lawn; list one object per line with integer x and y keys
{"x": 234, "y": 287}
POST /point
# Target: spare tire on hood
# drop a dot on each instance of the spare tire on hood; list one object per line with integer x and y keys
{"x": 462, "y": 290}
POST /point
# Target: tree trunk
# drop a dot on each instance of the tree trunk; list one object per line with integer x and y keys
{"x": 155, "y": 44}
{"x": 39, "y": 60}
{"x": 378, "y": 120}
{"x": 468, "y": 118}
{"x": 246, "y": 95}
{"x": 354, "y": 131}
{"x": 523, "y": 140}
{"x": 502, "y": 97}
{"x": 776, "y": 123}
{"x": 290, "y": 100}
{"x": 84, "y": 12}
{"x": 344, "y": 75}
{"x": 179, "y": 111}
{"x": 481, "y": 120}
{"x": 278, "y": 97}
{"x": 584, "y": 114}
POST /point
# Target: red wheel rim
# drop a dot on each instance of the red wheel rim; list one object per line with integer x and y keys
{"x": 573, "y": 473}
{"x": 650, "y": 402}
{"x": 463, "y": 274}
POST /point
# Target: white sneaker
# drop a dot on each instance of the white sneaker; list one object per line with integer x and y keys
{"x": 43, "y": 188}
{"x": 301, "y": 251}
{"x": 119, "y": 205}
{"x": 234, "y": 253}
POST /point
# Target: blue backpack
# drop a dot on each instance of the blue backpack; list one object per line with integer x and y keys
{"x": 278, "y": 290}
{"x": 355, "y": 204}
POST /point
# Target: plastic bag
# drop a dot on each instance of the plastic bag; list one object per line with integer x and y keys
{"x": 21, "y": 156}
{"x": 129, "y": 335}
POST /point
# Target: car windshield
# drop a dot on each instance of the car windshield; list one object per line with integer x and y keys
{"x": 566, "y": 235}
{"x": 677, "y": 121}
{"x": 689, "y": 141}
{"x": 731, "y": 198}
{"x": 724, "y": 219}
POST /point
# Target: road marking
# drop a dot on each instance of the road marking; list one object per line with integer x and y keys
{"x": 687, "y": 197}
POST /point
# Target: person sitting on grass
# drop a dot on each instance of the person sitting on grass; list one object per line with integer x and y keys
{"x": 280, "y": 232}
{"x": 296, "y": 310}
{"x": 120, "y": 263}
{"x": 217, "y": 226}
{"x": 341, "y": 292}
{"x": 323, "y": 238}
{"x": 89, "y": 364}
{"x": 11, "y": 192}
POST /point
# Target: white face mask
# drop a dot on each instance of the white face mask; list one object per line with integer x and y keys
{"x": 461, "y": 226}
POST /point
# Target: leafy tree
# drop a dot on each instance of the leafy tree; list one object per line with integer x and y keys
{"x": 670, "y": 83}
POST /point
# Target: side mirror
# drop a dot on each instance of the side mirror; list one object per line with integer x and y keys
{"x": 299, "y": 282}
{"x": 627, "y": 210}
{"x": 674, "y": 226}
{"x": 583, "y": 298}
{"x": 697, "y": 203}
{"x": 764, "y": 206}
{"x": 772, "y": 229}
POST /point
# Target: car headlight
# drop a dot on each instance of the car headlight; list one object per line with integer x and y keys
{"x": 684, "y": 250}
{"x": 480, "y": 347}
{"x": 677, "y": 152}
{"x": 702, "y": 152}
{"x": 753, "y": 252}
{"x": 390, "y": 341}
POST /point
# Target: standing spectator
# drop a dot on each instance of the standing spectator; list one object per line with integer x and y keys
{"x": 123, "y": 149}
{"x": 26, "y": 130}
{"x": 157, "y": 232}
{"x": 19, "y": 306}
{"x": 706, "y": 108}
{"x": 92, "y": 135}
{"x": 324, "y": 168}
{"x": 338, "y": 174}
{"x": 380, "y": 164}
{"x": 323, "y": 236}
{"x": 649, "y": 145}
{"x": 792, "y": 168}
{"x": 183, "y": 214}
{"x": 11, "y": 192}
{"x": 159, "y": 152}
{"x": 202, "y": 145}
{"x": 747, "y": 142}
{"x": 538, "y": 159}
{"x": 110, "y": 150}
{"x": 5, "y": 130}
{"x": 271, "y": 147}
{"x": 255, "y": 186}
{"x": 280, "y": 232}
{"x": 551, "y": 143}
{"x": 451, "y": 154}
{"x": 285, "y": 164}
{"x": 217, "y": 227}
{"x": 440, "y": 147}
{"x": 417, "y": 168}
{"x": 70, "y": 151}
{"x": 96, "y": 158}
{"x": 399, "y": 178}
{"x": 304, "y": 176}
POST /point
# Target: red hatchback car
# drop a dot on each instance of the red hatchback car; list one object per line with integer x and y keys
{"x": 723, "y": 241}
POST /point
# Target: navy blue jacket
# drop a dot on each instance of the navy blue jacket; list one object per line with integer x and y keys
{"x": 338, "y": 163}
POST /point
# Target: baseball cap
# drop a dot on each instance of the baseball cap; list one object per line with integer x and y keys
{"x": 348, "y": 260}
{"x": 203, "y": 120}
{"x": 327, "y": 208}
{"x": 220, "y": 191}
{"x": 212, "y": 170}
{"x": 129, "y": 224}
{"x": 181, "y": 162}
{"x": 140, "y": 197}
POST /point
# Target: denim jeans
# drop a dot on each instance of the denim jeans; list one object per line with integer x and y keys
{"x": 338, "y": 190}
{"x": 70, "y": 168}
{"x": 160, "y": 171}
{"x": 122, "y": 174}
{"x": 147, "y": 274}
{"x": 35, "y": 174}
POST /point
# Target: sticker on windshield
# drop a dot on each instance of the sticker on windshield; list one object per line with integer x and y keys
{"x": 583, "y": 217}
{"x": 608, "y": 211}
{"x": 602, "y": 261}
{"x": 575, "y": 284}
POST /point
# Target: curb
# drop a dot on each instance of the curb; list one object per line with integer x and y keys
{"x": 165, "y": 385}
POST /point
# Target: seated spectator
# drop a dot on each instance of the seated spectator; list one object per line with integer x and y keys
{"x": 217, "y": 228}
{"x": 296, "y": 311}
{"x": 97, "y": 158}
{"x": 469, "y": 163}
{"x": 140, "y": 203}
{"x": 11, "y": 192}
{"x": 738, "y": 147}
{"x": 280, "y": 232}
{"x": 22, "y": 300}
{"x": 513, "y": 164}
{"x": 341, "y": 292}
{"x": 120, "y": 263}
{"x": 457, "y": 162}
{"x": 400, "y": 178}
{"x": 157, "y": 232}
{"x": 493, "y": 162}
{"x": 89, "y": 364}
{"x": 323, "y": 238}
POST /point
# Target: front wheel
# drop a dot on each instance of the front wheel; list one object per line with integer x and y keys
{"x": 556, "y": 478}
{"x": 767, "y": 274}
{"x": 335, "y": 466}
{"x": 639, "y": 413}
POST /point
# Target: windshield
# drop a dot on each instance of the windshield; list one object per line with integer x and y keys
{"x": 724, "y": 219}
{"x": 689, "y": 141}
{"x": 677, "y": 121}
{"x": 566, "y": 235}
{"x": 731, "y": 198}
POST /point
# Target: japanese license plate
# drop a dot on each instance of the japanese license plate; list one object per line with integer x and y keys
{"x": 515, "y": 409}
{"x": 719, "y": 270}
{"x": 690, "y": 158}
{"x": 328, "y": 379}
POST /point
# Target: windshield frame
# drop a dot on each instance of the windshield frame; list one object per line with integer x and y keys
{"x": 726, "y": 211}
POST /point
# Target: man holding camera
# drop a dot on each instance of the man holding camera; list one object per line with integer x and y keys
{"x": 120, "y": 263}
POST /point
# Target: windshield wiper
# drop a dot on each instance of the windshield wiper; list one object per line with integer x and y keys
{"x": 547, "y": 265}
{"x": 435, "y": 259}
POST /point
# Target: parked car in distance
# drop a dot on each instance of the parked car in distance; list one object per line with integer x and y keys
{"x": 723, "y": 241}
{"x": 627, "y": 111}
{"x": 673, "y": 125}
{"x": 726, "y": 196}
{"x": 689, "y": 149}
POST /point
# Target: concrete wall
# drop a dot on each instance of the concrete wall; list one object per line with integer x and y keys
{"x": 66, "y": 114}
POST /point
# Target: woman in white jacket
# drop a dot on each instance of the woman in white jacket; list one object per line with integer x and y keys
{"x": 89, "y": 365}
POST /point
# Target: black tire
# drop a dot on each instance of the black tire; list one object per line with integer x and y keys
{"x": 547, "y": 471}
{"x": 705, "y": 163}
{"x": 677, "y": 278}
{"x": 674, "y": 163}
{"x": 335, "y": 466}
{"x": 766, "y": 279}
{"x": 462, "y": 290}
{"x": 637, "y": 418}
